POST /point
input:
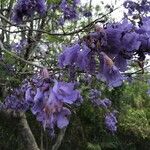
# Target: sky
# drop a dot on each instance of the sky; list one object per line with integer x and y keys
{"x": 117, "y": 14}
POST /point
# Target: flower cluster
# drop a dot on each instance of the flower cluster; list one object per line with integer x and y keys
{"x": 49, "y": 104}
{"x": 94, "y": 94}
{"x": 110, "y": 116}
{"x": 134, "y": 7}
{"x": 75, "y": 55}
{"x": 113, "y": 45}
{"x": 111, "y": 121}
{"x": 83, "y": 56}
{"x": 19, "y": 46}
{"x": 109, "y": 72}
{"x": 47, "y": 100}
{"x": 26, "y": 8}
{"x": 69, "y": 10}
{"x": 15, "y": 101}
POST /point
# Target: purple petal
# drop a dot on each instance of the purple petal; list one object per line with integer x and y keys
{"x": 62, "y": 120}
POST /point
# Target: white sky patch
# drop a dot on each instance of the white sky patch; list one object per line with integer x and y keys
{"x": 117, "y": 14}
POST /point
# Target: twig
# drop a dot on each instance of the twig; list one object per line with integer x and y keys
{"x": 17, "y": 57}
{"x": 9, "y": 22}
{"x": 65, "y": 33}
{"x": 137, "y": 72}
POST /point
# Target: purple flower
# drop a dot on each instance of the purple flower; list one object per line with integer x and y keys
{"x": 111, "y": 121}
{"x": 41, "y": 6}
{"x": 125, "y": 26}
{"x": 142, "y": 7}
{"x": 130, "y": 42}
{"x": 83, "y": 58}
{"x": 148, "y": 81}
{"x": 22, "y": 8}
{"x": 144, "y": 26}
{"x": 145, "y": 41}
{"x": 87, "y": 14}
{"x": 99, "y": 36}
{"x": 27, "y": 8}
{"x": 148, "y": 92}
{"x": 94, "y": 97}
{"x": 39, "y": 95}
{"x": 69, "y": 56}
{"x": 94, "y": 94}
{"x": 69, "y": 11}
{"x": 105, "y": 103}
{"x": 78, "y": 57}
{"x": 49, "y": 104}
{"x": 120, "y": 62}
{"x": 75, "y": 2}
{"x": 145, "y": 6}
{"x": 65, "y": 92}
{"x": 29, "y": 95}
{"x": 63, "y": 4}
{"x": 45, "y": 101}
{"x": 91, "y": 68}
{"x": 144, "y": 31}
{"x": 18, "y": 47}
{"x": 15, "y": 102}
{"x": 115, "y": 33}
{"x": 50, "y": 118}
{"x": 131, "y": 6}
{"x": 109, "y": 72}
{"x": 61, "y": 21}
{"x": 114, "y": 40}
{"x": 62, "y": 118}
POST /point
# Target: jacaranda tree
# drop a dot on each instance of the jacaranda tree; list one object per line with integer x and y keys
{"x": 50, "y": 49}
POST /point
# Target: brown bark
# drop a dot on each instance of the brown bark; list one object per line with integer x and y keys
{"x": 24, "y": 131}
{"x": 28, "y": 139}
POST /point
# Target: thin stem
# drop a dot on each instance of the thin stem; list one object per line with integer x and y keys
{"x": 59, "y": 139}
{"x": 17, "y": 57}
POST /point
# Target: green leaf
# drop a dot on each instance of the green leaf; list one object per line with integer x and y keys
{"x": 52, "y": 38}
{"x": 91, "y": 146}
{"x": 53, "y": 1}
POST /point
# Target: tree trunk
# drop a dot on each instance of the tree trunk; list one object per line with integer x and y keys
{"x": 24, "y": 131}
{"x": 28, "y": 139}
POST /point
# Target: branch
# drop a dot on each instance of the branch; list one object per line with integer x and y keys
{"x": 20, "y": 121}
{"x": 33, "y": 43}
{"x": 17, "y": 57}
{"x": 82, "y": 29}
{"x": 61, "y": 34}
{"x": 140, "y": 71}
{"x": 26, "y": 134}
{"x": 9, "y": 22}
{"x": 59, "y": 139}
